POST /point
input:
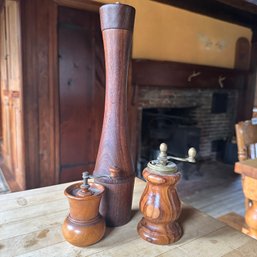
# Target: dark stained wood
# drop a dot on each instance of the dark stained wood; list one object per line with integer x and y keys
{"x": 109, "y": 19}
{"x": 114, "y": 158}
{"x": 245, "y": 16}
{"x": 183, "y": 75}
{"x": 244, "y": 5}
{"x": 81, "y": 97}
{"x": 250, "y": 89}
{"x": 242, "y": 58}
{"x": 41, "y": 90}
{"x": 39, "y": 153}
{"x": 89, "y": 5}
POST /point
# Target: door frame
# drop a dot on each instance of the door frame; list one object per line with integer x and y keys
{"x": 54, "y": 69}
{"x": 39, "y": 42}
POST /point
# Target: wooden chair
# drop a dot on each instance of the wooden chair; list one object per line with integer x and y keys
{"x": 246, "y": 135}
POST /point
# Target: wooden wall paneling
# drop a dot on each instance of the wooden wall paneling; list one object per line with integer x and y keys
{"x": 249, "y": 93}
{"x": 15, "y": 90}
{"x": 40, "y": 82}
{"x": 183, "y": 75}
{"x": 242, "y": 55}
{"x": 41, "y": 91}
{"x": 6, "y": 146}
{"x": 29, "y": 16}
{"x": 242, "y": 62}
{"x": 54, "y": 93}
{"x": 81, "y": 85}
{"x": 46, "y": 101}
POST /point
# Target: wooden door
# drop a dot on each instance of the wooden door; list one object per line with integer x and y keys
{"x": 81, "y": 90}
{"x": 11, "y": 92}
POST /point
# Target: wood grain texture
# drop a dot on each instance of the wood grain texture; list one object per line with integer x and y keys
{"x": 249, "y": 93}
{"x": 161, "y": 208}
{"x": 32, "y": 221}
{"x": 84, "y": 226}
{"x": 246, "y": 134}
{"x": 81, "y": 90}
{"x": 242, "y": 58}
{"x": 250, "y": 192}
{"x": 12, "y": 92}
{"x": 179, "y": 75}
{"x": 114, "y": 158}
{"x": 40, "y": 96}
{"x": 110, "y": 19}
{"x": 233, "y": 219}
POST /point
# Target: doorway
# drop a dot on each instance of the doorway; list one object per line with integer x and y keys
{"x": 81, "y": 90}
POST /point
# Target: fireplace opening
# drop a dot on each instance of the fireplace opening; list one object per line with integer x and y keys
{"x": 184, "y": 118}
{"x": 174, "y": 126}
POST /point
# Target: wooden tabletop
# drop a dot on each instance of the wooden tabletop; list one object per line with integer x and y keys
{"x": 248, "y": 168}
{"x": 30, "y": 225}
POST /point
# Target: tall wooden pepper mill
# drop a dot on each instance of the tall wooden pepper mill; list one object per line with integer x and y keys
{"x": 159, "y": 202}
{"x": 114, "y": 158}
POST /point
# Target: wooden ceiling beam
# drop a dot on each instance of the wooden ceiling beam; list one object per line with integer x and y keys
{"x": 241, "y": 12}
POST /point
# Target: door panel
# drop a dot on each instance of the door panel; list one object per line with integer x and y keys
{"x": 81, "y": 91}
{"x": 11, "y": 87}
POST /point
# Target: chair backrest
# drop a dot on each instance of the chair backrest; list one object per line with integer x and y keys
{"x": 246, "y": 136}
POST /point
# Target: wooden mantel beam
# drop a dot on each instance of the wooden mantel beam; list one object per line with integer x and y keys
{"x": 241, "y": 12}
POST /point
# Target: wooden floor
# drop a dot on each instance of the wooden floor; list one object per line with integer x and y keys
{"x": 214, "y": 189}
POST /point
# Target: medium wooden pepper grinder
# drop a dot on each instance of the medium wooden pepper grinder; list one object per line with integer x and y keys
{"x": 114, "y": 158}
{"x": 84, "y": 225}
{"x": 159, "y": 203}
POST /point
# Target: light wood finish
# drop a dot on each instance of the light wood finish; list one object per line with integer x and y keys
{"x": 248, "y": 170}
{"x": 233, "y": 220}
{"x": 246, "y": 134}
{"x": 11, "y": 91}
{"x": 84, "y": 226}
{"x": 31, "y": 221}
{"x": 215, "y": 200}
{"x": 247, "y": 167}
{"x": 161, "y": 208}
{"x": 30, "y": 96}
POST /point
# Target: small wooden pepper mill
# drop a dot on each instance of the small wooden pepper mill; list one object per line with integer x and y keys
{"x": 114, "y": 157}
{"x": 84, "y": 225}
{"x": 159, "y": 203}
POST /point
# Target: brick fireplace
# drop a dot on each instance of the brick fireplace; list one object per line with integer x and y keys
{"x": 202, "y": 105}
{"x": 197, "y": 107}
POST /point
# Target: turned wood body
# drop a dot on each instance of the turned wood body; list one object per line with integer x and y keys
{"x": 84, "y": 225}
{"x": 114, "y": 158}
{"x": 250, "y": 192}
{"x": 161, "y": 208}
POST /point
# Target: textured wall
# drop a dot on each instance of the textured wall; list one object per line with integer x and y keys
{"x": 163, "y": 32}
